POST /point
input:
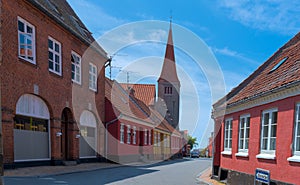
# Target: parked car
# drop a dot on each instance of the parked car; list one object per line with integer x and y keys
{"x": 195, "y": 153}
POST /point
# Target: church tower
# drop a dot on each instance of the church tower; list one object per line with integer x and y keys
{"x": 169, "y": 85}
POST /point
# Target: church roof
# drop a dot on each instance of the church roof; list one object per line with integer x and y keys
{"x": 169, "y": 72}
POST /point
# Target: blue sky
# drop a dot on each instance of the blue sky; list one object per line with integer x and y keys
{"x": 240, "y": 34}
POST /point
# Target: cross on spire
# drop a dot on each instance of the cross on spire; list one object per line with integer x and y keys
{"x": 171, "y": 16}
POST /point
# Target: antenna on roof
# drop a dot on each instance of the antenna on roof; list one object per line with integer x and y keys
{"x": 108, "y": 63}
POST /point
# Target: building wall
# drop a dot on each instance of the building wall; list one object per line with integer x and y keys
{"x": 19, "y": 77}
{"x": 280, "y": 169}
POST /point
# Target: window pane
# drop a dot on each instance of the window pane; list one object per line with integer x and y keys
{"x": 298, "y": 113}
{"x": 242, "y": 133}
{"x": 57, "y": 48}
{"x": 298, "y": 144}
{"x": 265, "y": 131}
{"x": 246, "y": 143}
{"x": 50, "y": 55}
{"x": 57, "y": 59}
{"x": 22, "y": 39}
{"x": 264, "y": 144}
{"x": 273, "y": 130}
{"x": 298, "y": 129}
{"x": 273, "y": 144}
{"x": 266, "y": 119}
{"x": 241, "y": 144}
{"x": 50, "y": 65}
{"x": 50, "y": 44}
{"x": 274, "y": 117}
{"x": 247, "y": 133}
{"x": 29, "y": 29}
{"x": 21, "y": 26}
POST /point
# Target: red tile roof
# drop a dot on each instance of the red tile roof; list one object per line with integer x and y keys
{"x": 266, "y": 79}
{"x": 144, "y": 92}
{"x": 126, "y": 104}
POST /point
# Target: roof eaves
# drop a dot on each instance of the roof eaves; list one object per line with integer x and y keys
{"x": 64, "y": 25}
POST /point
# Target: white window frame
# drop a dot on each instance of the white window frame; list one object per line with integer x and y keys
{"x": 149, "y": 139}
{"x": 55, "y": 53}
{"x": 145, "y": 137}
{"x": 77, "y": 67}
{"x": 155, "y": 138}
{"x": 93, "y": 77}
{"x": 268, "y": 153}
{"x": 29, "y": 37}
{"x": 244, "y": 127}
{"x": 122, "y": 136}
{"x": 128, "y": 134}
{"x": 228, "y": 133}
{"x": 134, "y": 135}
{"x": 158, "y": 139}
{"x": 296, "y": 136}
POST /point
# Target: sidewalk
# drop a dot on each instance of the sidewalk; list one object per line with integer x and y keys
{"x": 206, "y": 177}
{"x": 56, "y": 170}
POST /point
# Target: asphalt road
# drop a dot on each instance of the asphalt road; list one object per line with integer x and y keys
{"x": 177, "y": 172}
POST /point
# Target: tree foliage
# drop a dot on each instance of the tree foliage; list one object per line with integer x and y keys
{"x": 192, "y": 141}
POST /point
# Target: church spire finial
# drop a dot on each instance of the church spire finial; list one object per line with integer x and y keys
{"x": 171, "y": 16}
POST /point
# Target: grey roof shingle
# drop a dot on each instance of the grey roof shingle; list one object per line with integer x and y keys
{"x": 61, "y": 12}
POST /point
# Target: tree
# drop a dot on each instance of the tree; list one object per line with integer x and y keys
{"x": 192, "y": 141}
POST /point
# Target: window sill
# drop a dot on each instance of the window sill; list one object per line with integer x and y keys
{"x": 294, "y": 158}
{"x": 226, "y": 153}
{"x": 242, "y": 154}
{"x": 266, "y": 156}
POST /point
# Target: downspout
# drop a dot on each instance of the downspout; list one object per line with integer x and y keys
{"x": 106, "y": 133}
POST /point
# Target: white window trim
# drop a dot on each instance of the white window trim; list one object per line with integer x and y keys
{"x": 227, "y": 151}
{"x": 134, "y": 135}
{"x": 26, "y": 23}
{"x": 243, "y": 152}
{"x": 267, "y": 154}
{"x": 79, "y": 66}
{"x": 93, "y": 75}
{"x": 122, "y": 133}
{"x": 149, "y": 139}
{"x": 145, "y": 136}
{"x": 296, "y": 154}
{"x": 128, "y": 134}
{"x": 56, "y": 53}
{"x": 294, "y": 158}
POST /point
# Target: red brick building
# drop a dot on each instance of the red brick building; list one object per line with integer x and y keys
{"x": 45, "y": 66}
{"x": 257, "y": 123}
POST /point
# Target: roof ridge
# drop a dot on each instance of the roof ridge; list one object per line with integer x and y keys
{"x": 258, "y": 71}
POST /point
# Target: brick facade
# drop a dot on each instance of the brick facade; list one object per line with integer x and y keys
{"x": 19, "y": 77}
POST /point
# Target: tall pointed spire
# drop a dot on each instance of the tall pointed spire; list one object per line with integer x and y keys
{"x": 169, "y": 72}
{"x": 169, "y": 85}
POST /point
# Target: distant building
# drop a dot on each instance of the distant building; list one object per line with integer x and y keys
{"x": 257, "y": 123}
{"x": 43, "y": 46}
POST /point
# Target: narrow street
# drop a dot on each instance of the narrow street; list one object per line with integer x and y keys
{"x": 174, "y": 172}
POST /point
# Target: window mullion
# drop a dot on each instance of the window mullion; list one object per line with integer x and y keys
{"x": 269, "y": 130}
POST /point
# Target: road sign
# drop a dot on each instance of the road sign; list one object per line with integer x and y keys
{"x": 262, "y": 175}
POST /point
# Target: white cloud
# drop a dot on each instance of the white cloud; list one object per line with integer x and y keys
{"x": 231, "y": 53}
{"x": 272, "y": 15}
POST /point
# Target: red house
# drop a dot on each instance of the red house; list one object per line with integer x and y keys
{"x": 257, "y": 124}
{"x": 132, "y": 128}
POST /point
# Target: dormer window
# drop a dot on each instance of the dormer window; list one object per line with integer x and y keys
{"x": 278, "y": 64}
